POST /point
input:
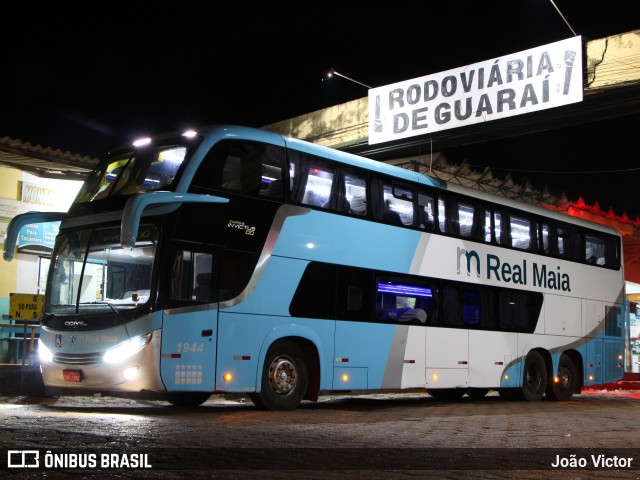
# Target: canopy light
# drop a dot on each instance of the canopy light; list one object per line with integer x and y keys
{"x": 141, "y": 142}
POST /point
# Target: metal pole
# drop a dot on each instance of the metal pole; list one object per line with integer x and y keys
{"x": 565, "y": 20}
{"x": 350, "y": 79}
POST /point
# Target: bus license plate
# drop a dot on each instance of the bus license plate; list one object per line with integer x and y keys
{"x": 71, "y": 375}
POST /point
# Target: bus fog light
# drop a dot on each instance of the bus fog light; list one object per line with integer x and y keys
{"x": 130, "y": 373}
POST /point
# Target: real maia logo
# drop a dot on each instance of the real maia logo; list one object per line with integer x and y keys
{"x": 493, "y": 268}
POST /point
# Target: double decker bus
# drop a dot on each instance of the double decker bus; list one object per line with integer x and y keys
{"x": 235, "y": 260}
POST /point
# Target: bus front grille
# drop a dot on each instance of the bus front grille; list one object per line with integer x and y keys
{"x": 78, "y": 358}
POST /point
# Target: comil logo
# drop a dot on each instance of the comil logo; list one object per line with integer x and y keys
{"x": 23, "y": 458}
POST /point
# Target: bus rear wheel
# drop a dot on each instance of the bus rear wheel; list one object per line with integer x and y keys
{"x": 284, "y": 378}
{"x": 562, "y": 386}
{"x": 534, "y": 382}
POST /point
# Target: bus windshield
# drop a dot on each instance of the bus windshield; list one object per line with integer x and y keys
{"x": 92, "y": 273}
{"x": 133, "y": 172}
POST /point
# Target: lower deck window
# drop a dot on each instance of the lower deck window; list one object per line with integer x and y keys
{"x": 348, "y": 293}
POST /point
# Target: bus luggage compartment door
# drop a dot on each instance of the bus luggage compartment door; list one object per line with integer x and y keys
{"x": 187, "y": 361}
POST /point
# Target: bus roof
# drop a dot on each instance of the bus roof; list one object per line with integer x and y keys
{"x": 214, "y": 133}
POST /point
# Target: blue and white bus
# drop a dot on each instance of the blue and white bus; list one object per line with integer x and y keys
{"x": 237, "y": 260}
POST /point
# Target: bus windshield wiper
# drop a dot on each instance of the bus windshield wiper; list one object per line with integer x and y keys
{"x": 123, "y": 322}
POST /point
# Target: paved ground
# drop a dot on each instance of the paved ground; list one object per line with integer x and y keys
{"x": 373, "y": 436}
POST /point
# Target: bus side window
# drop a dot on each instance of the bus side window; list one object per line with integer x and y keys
{"x": 442, "y": 224}
{"x": 600, "y": 250}
{"x": 465, "y": 219}
{"x": 402, "y": 202}
{"x": 426, "y": 212}
{"x": 452, "y": 311}
{"x": 347, "y": 186}
{"x": 355, "y": 294}
{"x": 389, "y": 212}
{"x": 568, "y": 242}
{"x": 611, "y": 252}
{"x": 472, "y": 306}
{"x": 474, "y": 221}
{"x": 245, "y": 167}
{"x": 516, "y": 310}
{"x": 272, "y": 165}
{"x": 311, "y": 179}
{"x": 448, "y": 215}
{"x": 356, "y": 193}
{"x": 315, "y": 296}
{"x": 502, "y": 228}
{"x": 211, "y": 172}
{"x": 545, "y": 239}
{"x": 392, "y": 205}
{"x": 523, "y": 233}
{"x": 192, "y": 278}
{"x": 398, "y": 300}
{"x": 487, "y": 226}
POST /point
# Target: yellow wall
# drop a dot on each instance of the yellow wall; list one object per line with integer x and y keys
{"x": 10, "y": 179}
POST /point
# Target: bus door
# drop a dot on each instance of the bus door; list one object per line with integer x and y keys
{"x": 190, "y": 324}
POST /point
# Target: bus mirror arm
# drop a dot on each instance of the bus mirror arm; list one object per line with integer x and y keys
{"x": 137, "y": 203}
{"x": 19, "y": 221}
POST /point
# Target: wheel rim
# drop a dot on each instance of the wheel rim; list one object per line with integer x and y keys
{"x": 283, "y": 375}
{"x": 533, "y": 378}
{"x": 564, "y": 378}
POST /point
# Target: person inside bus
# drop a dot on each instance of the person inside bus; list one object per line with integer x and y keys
{"x": 389, "y": 215}
{"x": 202, "y": 291}
{"x": 274, "y": 189}
{"x": 358, "y": 205}
{"x": 413, "y": 314}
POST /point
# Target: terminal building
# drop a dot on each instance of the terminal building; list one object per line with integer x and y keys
{"x": 35, "y": 177}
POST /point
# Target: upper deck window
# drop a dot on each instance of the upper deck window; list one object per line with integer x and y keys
{"x": 140, "y": 171}
{"x": 250, "y": 168}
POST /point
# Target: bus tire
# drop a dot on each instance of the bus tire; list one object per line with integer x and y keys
{"x": 534, "y": 382}
{"x": 567, "y": 376}
{"x": 284, "y": 378}
{"x": 447, "y": 393}
{"x": 187, "y": 399}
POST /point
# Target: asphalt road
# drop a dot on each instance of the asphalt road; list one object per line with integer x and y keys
{"x": 365, "y": 437}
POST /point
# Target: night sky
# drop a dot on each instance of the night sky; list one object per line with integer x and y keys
{"x": 84, "y": 78}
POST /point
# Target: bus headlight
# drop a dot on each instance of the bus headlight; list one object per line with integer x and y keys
{"x": 45, "y": 354}
{"x": 126, "y": 349}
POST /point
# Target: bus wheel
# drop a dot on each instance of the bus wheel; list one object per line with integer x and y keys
{"x": 567, "y": 380}
{"x": 187, "y": 399}
{"x": 447, "y": 393}
{"x": 477, "y": 392}
{"x": 534, "y": 382}
{"x": 284, "y": 378}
